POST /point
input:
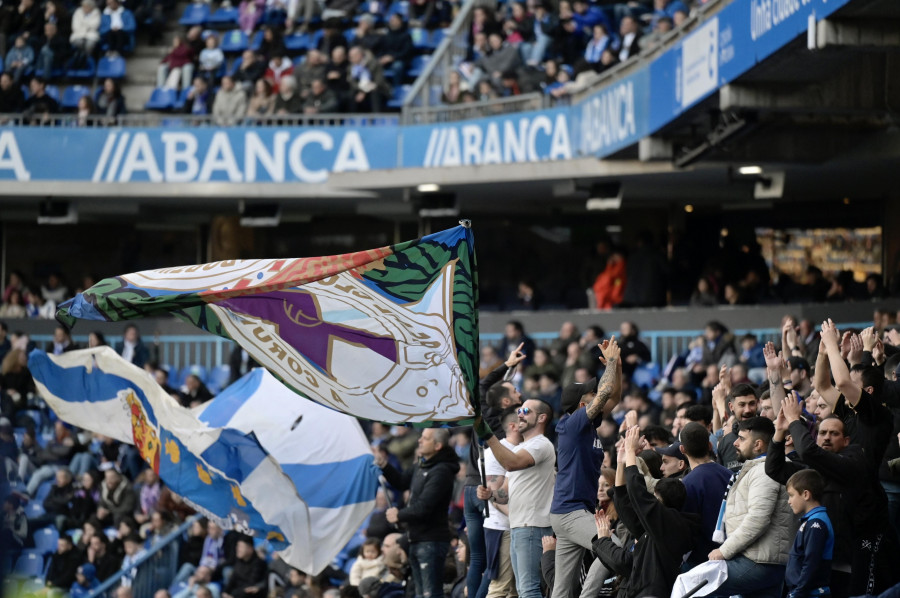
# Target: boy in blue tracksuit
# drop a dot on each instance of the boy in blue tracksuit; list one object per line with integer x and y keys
{"x": 809, "y": 565}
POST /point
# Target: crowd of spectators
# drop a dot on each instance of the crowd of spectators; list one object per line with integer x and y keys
{"x": 555, "y": 47}
{"x": 599, "y": 479}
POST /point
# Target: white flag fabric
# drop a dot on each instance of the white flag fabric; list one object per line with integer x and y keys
{"x": 223, "y": 470}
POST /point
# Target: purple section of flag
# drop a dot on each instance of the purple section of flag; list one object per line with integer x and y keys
{"x": 300, "y": 324}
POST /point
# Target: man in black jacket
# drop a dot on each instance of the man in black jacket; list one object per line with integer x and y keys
{"x": 63, "y": 564}
{"x": 856, "y": 504}
{"x": 430, "y": 484}
{"x": 249, "y": 575}
{"x": 664, "y": 534}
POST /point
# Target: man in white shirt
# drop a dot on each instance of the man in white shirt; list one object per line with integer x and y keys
{"x": 496, "y": 527}
{"x": 528, "y": 491}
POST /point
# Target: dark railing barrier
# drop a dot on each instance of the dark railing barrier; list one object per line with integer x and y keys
{"x": 155, "y": 569}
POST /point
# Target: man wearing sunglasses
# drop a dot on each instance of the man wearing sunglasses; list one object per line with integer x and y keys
{"x": 579, "y": 462}
{"x": 528, "y": 491}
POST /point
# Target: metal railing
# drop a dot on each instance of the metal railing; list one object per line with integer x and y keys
{"x": 154, "y": 570}
{"x": 175, "y": 350}
{"x": 665, "y": 344}
{"x": 439, "y": 114}
{"x": 161, "y": 119}
{"x": 452, "y": 50}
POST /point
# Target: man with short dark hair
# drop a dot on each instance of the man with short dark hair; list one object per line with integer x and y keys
{"x": 528, "y": 490}
{"x": 758, "y": 526}
{"x": 579, "y": 462}
{"x": 743, "y": 405}
{"x": 704, "y": 485}
{"x": 430, "y": 484}
{"x": 63, "y": 564}
{"x": 248, "y": 577}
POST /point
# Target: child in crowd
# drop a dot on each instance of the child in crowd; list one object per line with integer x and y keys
{"x": 85, "y": 581}
{"x": 369, "y": 564}
{"x": 809, "y": 565}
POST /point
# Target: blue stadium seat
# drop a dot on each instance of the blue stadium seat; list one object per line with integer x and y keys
{"x": 180, "y": 101}
{"x": 72, "y": 94}
{"x": 43, "y": 490}
{"x": 86, "y": 72}
{"x": 348, "y": 565}
{"x": 235, "y": 41}
{"x": 437, "y": 36}
{"x": 223, "y": 18}
{"x": 111, "y": 68}
{"x": 299, "y": 42}
{"x": 219, "y": 377}
{"x": 420, "y": 38}
{"x": 45, "y": 539}
{"x": 34, "y": 509}
{"x": 646, "y": 376}
{"x": 256, "y": 41}
{"x": 195, "y": 14}
{"x": 418, "y": 65}
{"x": 161, "y": 99}
{"x": 399, "y": 8}
{"x": 29, "y": 564}
{"x": 400, "y": 94}
{"x": 196, "y": 370}
{"x": 54, "y": 73}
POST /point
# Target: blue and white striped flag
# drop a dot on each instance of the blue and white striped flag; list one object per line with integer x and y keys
{"x": 219, "y": 464}
{"x": 324, "y": 452}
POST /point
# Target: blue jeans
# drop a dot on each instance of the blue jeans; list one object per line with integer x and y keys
{"x": 751, "y": 580}
{"x": 426, "y": 562}
{"x": 474, "y": 514}
{"x": 525, "y": 552}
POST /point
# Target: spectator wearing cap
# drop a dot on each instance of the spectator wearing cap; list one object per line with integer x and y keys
{"x": 674, "y": 461}
{"x": 579, "y": 462}
{"x": 249, "y": 575}
{"x": 799, "y": 380}
{"x": 85, "y": 581}
{"x": 117, "y": 497}
{"x": 704, "y": 484}
{"x": 63, "y": 564}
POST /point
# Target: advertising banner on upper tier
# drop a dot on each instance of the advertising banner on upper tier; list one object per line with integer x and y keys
{"x": 194, "y": 155}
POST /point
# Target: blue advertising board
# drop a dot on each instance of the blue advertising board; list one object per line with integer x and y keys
{"x": 718, "y": 51}
{"x": 194, "y": 155}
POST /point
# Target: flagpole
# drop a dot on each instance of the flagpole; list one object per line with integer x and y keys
{"x": 487, "y": 509}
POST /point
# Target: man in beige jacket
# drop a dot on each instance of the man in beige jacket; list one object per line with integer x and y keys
{"x": 758, "y": 524}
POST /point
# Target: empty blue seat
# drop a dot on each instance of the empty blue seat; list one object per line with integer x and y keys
{"x": 111, "y": 68}
{"x": 299, "y": 42}
{"x": 161, "y": 99}
{"x": 34, "y": 509}
{"x": 219, "y": 377}
{"x": 418, "y": 65}
{"x": 72, "y": 94}
{"x": 194, "y": 14}
{"x": 45, "y": 539}
{"x": 43, "y": 490}
{"x": 437, "y": 36}
{"x": 646, "y": 376}
{"x": 419, "y": 37}
{"x": 85, "y": 71}
{"x": 399, "y": 95}
{"x": 235, "y": 41}
{"x": 256, "y": 41}
{"x": 223, "y": 17}
{"x": 29, "y": 564}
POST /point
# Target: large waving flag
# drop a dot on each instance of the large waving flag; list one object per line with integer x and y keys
{"x": 219, "y": 464}
{"x": 388, "y": 334}
{"x": 324, "y": 452}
